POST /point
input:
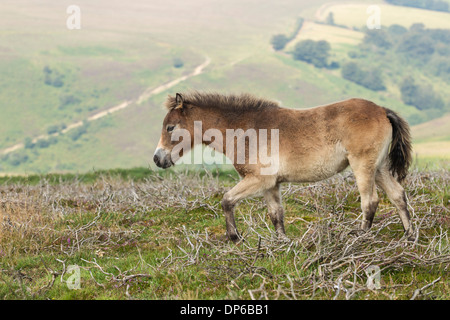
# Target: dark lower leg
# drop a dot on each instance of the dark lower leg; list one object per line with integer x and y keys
{"x": 276, "y": 211}
{"x": 369, "y": 214}
{"x": 228, "y": 208}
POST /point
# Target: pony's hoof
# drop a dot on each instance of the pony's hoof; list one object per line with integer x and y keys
{"x": 410, "y": 236}
{"x": 235, "y": 238}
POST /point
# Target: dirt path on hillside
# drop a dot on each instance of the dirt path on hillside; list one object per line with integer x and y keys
{"x": 150, "y": 92}
{"x": 144, "y": 96}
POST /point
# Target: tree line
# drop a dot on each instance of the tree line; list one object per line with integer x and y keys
{"x": 392, "y": 50}
{"x": 435, "y": 5}
{"x": 279, "y": 41}
{"x": 427, "y": 50}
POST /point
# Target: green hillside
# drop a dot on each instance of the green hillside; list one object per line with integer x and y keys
{"x": 56, "y": 82}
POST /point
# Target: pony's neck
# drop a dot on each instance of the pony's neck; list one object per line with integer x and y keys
{"x": 210, "y": 129}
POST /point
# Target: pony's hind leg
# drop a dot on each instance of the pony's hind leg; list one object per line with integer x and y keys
{"x": 397, "y": 195}
{"x": 365, "y": 180}
{"x": 276, "y": 211}
{"x": 369, "y": 201}
{"x": 369, "y": 205}
{"x": 249, "y": 186}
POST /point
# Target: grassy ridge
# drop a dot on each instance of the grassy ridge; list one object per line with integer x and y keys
{"x": 138, "y": 174}
{"x": 162, "y": 237}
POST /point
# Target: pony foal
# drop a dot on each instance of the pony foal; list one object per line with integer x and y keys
{"x": 312, "y": 145}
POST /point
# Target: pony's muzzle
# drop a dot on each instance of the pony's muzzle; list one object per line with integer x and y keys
{"x": 162, "y": 158}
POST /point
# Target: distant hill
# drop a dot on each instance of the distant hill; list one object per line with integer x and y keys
{"x": 434, "y": 130}
{"x": 53, "y": 78}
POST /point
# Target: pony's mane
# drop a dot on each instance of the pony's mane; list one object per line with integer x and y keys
{"x": 231, "y": 103}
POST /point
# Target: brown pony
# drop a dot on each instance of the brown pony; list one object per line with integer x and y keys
{"x": 313, "y": 144}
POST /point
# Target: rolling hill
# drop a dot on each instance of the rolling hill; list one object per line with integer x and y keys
{"x": 53, "y": 78}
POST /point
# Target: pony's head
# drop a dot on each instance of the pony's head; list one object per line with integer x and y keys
{"x": 173, "y": 122}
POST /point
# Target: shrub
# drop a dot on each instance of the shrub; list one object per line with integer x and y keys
{"x": 42, "y": 143}
{"x": 178, "y": 63}
{"x": 53, "y": 77}
{"x": 313, "y": 52}
{"x": 76, "y": 133}
{"x": 420, "y": 96}
{"x": 279, "y": 41}
{"x": 370, "y": 79}
{"x": 52, "y": 129}
{"x": 17, "y": 158}
{"x": 28, "y": 143}
{"x": 68, "y": 99}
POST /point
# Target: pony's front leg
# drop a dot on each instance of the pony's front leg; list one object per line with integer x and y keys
{"x": 249, "y": 186}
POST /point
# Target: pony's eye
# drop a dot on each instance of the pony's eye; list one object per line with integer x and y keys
{"x": 170, "y": 128}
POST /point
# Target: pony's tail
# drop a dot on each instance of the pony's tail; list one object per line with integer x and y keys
{"x": 400, "y": 151}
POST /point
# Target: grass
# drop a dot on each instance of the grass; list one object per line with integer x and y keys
{"x": 355, "y": 15}
{"x": 332, "y": 34}
{"x": 141, "y": 234}
{"x": 100, "y": 66}
{"x": 432, "y": 131}
{"x": 106, "y": 63}
{"x": 432, "y": 149}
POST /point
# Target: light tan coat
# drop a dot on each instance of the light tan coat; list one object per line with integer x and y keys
{"x": 314, "y": 144}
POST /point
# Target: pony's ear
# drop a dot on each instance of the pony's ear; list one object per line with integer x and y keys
{"x": 179, "y": 101}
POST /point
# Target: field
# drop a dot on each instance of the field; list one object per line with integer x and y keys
{"x": 141, "y": 234}
{"x": 355, "y": 15}
{"x": 432, "y": 139}
{"x": 107, "y": 63}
